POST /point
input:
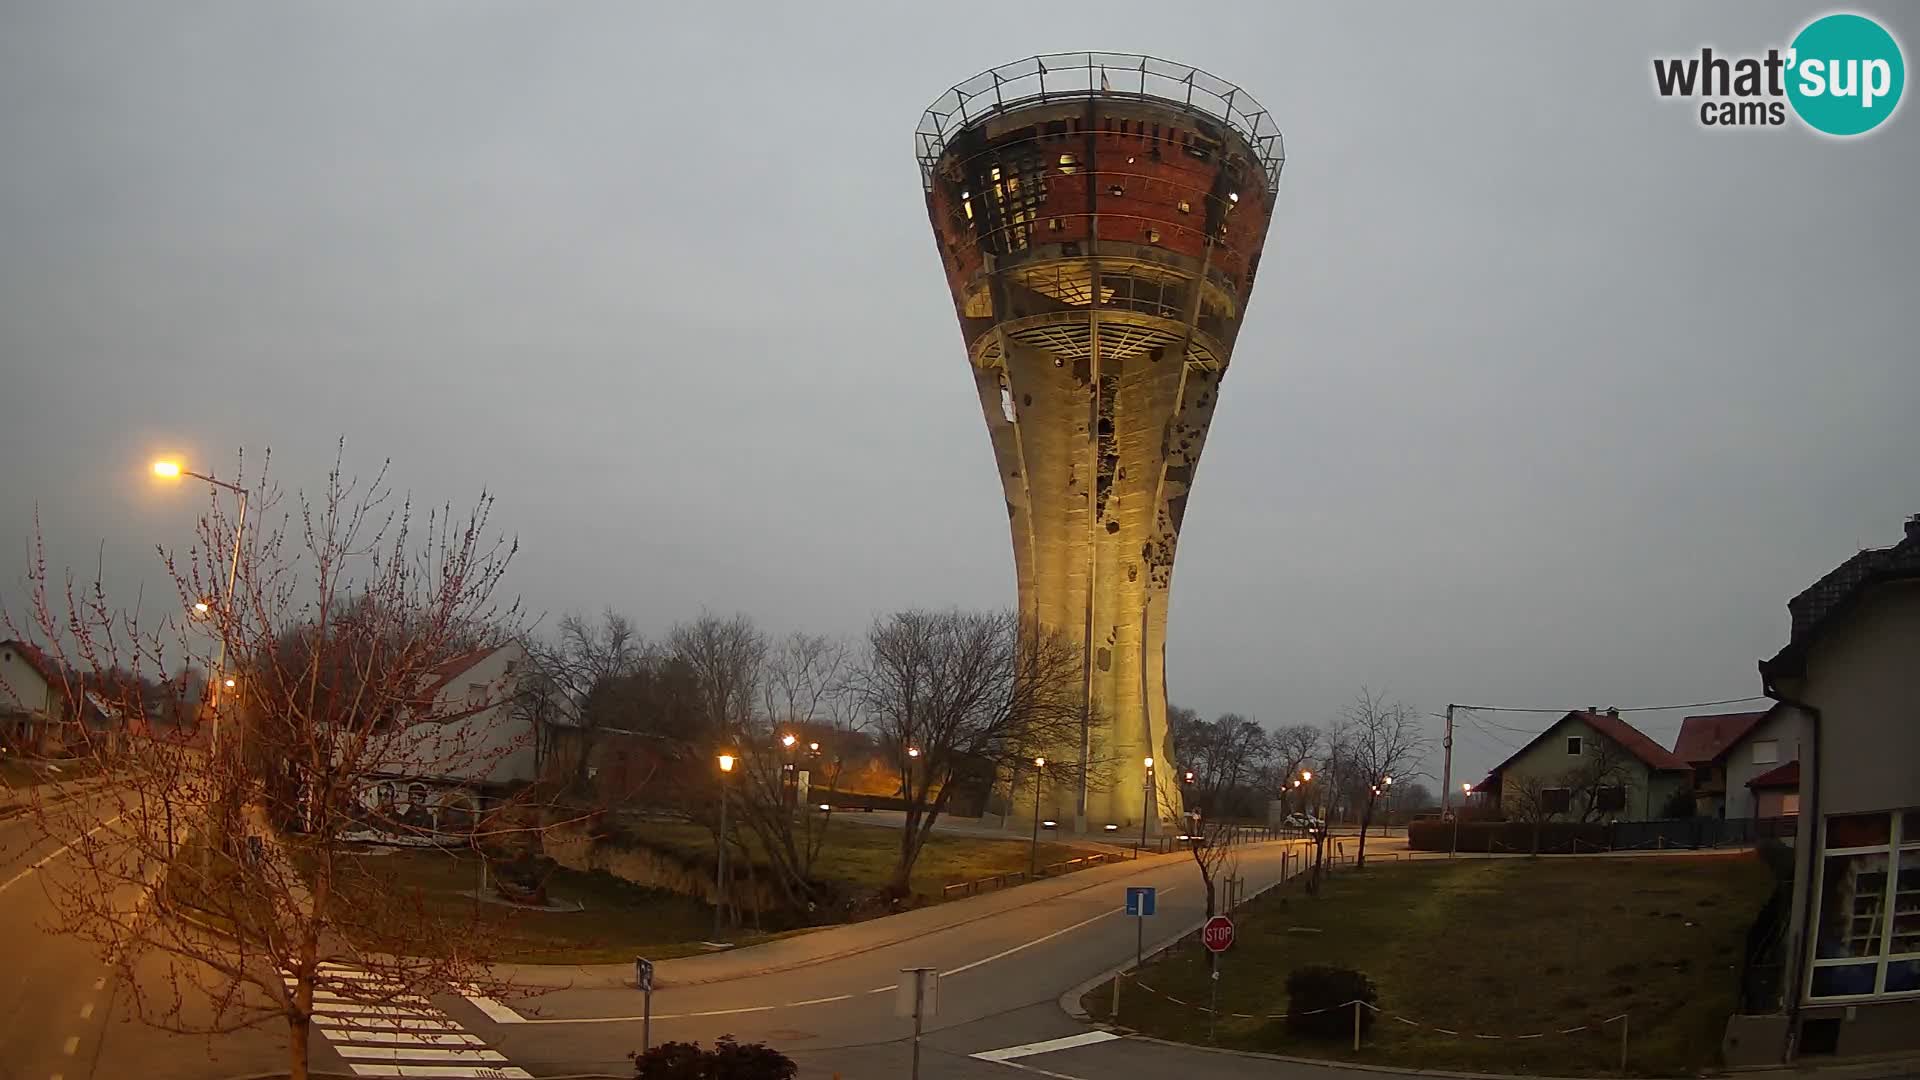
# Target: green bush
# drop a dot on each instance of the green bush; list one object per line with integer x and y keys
{"x": 728, "y": 1060}
{"x": 1316, "y": 994}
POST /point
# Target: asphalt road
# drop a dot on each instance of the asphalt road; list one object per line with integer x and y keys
{"x": 64, "y": 1014}
{"x": 1001, "y": 975}
{"x": 55, "y": 995}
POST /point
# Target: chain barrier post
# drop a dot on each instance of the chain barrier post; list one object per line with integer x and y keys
{"x": 1623, "y": 1044}
{"x": 1356, "y": 1025}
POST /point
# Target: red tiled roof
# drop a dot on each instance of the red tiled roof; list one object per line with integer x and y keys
{"x": 1633, "y": 740}
{"x": 1702, "y": 739}
{"x": 1785, "y": 776}
{"x": 1625, "y": 735}
{"x": 447, "y": 670}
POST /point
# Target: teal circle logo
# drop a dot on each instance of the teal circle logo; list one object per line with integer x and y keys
{"x": 1845, "y": 74}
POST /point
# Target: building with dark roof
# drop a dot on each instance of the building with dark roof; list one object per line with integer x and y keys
{"x": 1850, "y": 675}
{"x": 1706, "y": 742}
{"x": 1590, "y": 765}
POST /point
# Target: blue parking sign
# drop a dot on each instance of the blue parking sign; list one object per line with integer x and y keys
{"x": 1140, "y": 900}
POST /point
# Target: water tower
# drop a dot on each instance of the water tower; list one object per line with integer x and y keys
{"x": 1100, "y": 217}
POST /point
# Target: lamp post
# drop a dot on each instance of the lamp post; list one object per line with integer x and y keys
{"x": 790, "y": 783}
{"x": 720, "y": 868}
{"x": 172, "y": 470}
{"x": 1386, "y": 790}
{"x": 1146, "y": 802}
{"x": 1033, "y": 850}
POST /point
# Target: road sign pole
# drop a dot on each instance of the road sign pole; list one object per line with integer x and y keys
{"x": 919, "y": 999}
{"x": 1213, "y": 1002}
{"x": 1139, "y": 941}
{"x": 646, "y": 1020}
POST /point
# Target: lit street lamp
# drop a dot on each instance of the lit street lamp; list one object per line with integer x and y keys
{"x": 1033, "y": 850}
{"x": 720, "y": 867}
{"x": 172, "y": 470}
{"x": 1146, "y": 801}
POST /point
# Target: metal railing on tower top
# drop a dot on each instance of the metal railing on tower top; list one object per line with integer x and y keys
{"x": 1071, "y": 76}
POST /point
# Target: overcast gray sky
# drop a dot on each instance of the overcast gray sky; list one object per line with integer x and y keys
{"x": 1546, "y": 396}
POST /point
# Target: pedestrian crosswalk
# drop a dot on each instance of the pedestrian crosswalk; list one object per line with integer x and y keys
{"x": 381, "y": 1032}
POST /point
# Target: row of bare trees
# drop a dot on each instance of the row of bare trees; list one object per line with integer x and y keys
{"x": 946, "y": 699}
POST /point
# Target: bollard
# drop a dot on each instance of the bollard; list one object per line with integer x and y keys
{"x": 1356, "y": 1025}
{"x": 1113, "y": 1014}
{"x": 1623, "y": 1044}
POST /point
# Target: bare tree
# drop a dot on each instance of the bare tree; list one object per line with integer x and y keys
{"x": 1289, "y": 750}
{"x": 578, "y": 676}
{"x": 972, "y": 693}
{"x": 1597, "y": 785}
{"x": 213, "y": 871}
{"x": 1385, "y": 737}
{"x": 804, "y": 719}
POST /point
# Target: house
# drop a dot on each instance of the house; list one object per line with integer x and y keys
{"x": 466, "y": 746}
{"x": 1704, "y": 743}
{"x": 1850, "y": 675}
{"x": 32, "y": 696}
{"x": 49, "y": 713}
{"x": 1764, "y": 760}
{"x": 1588, "y": 766}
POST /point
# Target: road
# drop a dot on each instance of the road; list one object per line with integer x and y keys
{"x": 1004, "y": 959}
{"x": 62, "y": 1009}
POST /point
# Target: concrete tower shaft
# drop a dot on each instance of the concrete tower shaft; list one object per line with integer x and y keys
{"x": 1100, "y": 218}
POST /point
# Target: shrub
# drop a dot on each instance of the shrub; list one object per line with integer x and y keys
{"x": 1315, "y": 994}
{"x": 728, "y": 1060}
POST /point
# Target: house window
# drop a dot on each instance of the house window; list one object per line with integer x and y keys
{"x": 1556, "y": 800}
{"x": 476, "y": 695}
{"x": 1068, "y": 164}
{"x": 1867, "y": 922}
{"x": 1610, "y": 800}
{"x": 1184, "y": 206}
{"x": 1790, "y": 804}
{"x": 1573, "y": 746}
{"x": 1766, "y": 751}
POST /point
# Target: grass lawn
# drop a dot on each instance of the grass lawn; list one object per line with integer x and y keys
{"x": 620, "y": 920}
{"x": 862, "y": 856}
{"x": 1487, "y": 946}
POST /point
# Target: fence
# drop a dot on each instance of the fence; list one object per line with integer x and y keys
{"x": 1573, "y": 837}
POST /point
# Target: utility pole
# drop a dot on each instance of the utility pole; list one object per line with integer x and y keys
{"x": 1446, "y": 769}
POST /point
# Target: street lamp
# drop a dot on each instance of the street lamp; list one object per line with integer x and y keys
{"x": 172, "y": 470}
{"x": 720, "y": 865}
{"x": 1033, "y": 849}
{"x": 1146, "y": 801}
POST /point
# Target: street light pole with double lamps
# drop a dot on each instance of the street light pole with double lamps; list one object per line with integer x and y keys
{"x": 172, "y": 470}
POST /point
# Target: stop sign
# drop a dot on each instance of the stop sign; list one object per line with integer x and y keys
{"x": 1217, "y": 935}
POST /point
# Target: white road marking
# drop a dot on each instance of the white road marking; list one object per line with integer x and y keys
{"x": 398, "y": 1053}
{"x": 63, "y": 849}
{"x": 1085, "y": 1038}
{"x": 497, "y": 1011}
{"x": 86, "y": 1011}
{"x": 100, "y": 983}
{"x": 403, "y": 999}
{"x": 347, "y": 1037}
{"x": 1038, "y": 940}
{"x": 348, "y": 1008}
{"x": 461, "y": 1072}
{"x": 73, "y": 1045}
{"x": 379, "y": 1023}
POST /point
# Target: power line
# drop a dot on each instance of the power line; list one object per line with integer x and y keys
{"x": 1638, "y": 708}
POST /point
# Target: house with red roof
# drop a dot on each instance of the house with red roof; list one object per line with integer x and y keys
{"x": 1590, "y": 765}
{"x": 1706, "y": 742}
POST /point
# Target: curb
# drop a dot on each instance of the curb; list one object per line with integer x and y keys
{"x": 1070, "y": 1001}
{"x": 623, "y": 982}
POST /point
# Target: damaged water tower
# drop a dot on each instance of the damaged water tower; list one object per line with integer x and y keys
{"x": 1100, "y": 218}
